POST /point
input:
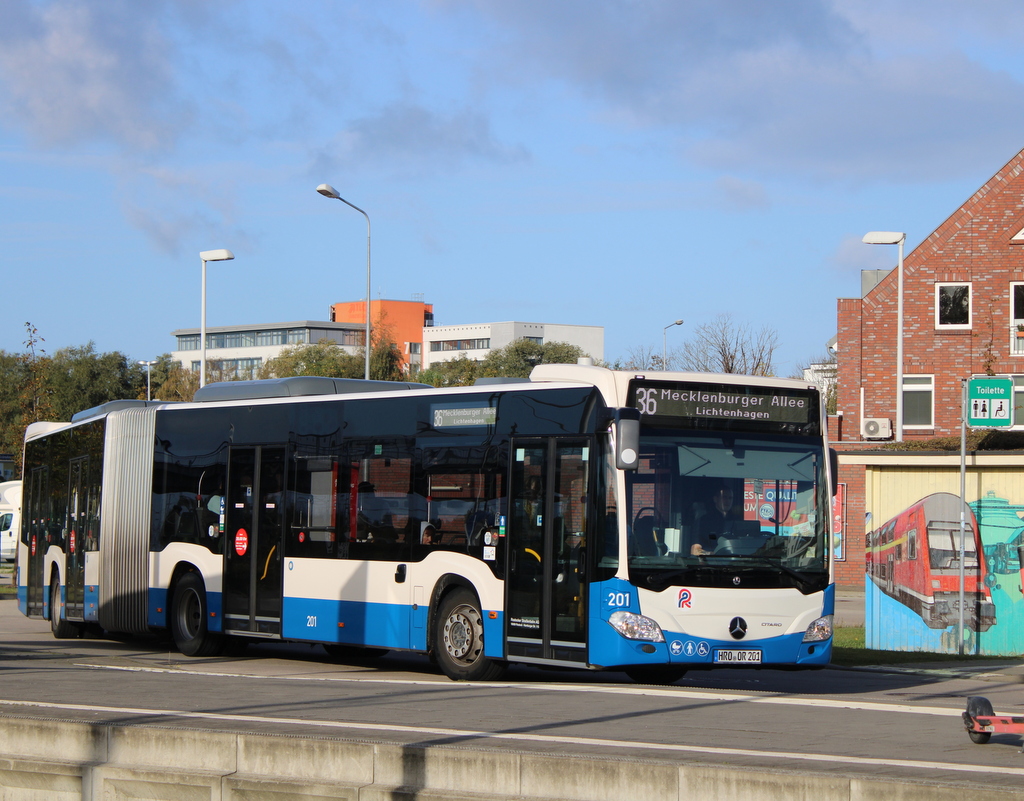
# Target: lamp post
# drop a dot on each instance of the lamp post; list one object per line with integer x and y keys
{"x": 329, "y": 191}
{"x": 149, "y": 377}
{"x": 895, "y": 238}
{"x": 664, "y": 343}
{"x": 207, "y": 255}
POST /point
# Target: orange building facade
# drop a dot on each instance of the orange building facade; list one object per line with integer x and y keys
{"x": 404, "y": 319}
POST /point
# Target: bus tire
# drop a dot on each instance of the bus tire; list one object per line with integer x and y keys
{"x": 459, "y": 639}
{"x": 62, "y": 628}
{"x": 655, "y": 674}
{"x": 189, "y": 615}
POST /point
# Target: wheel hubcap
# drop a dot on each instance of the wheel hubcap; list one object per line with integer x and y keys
{"x": 458, "y": 633}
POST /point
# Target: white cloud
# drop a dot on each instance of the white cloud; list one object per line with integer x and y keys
{"x": 815, "y": 89}
{"x": 410, "y": 138}
{"x": 72, "y": 71}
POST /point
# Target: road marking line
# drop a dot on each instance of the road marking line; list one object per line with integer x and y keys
{"x": 658, "y": 692}
{"x": 530, "y": 738}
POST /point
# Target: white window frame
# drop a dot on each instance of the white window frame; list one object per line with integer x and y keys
{"x": 919, "y": 386}
{"x": 970, "y": 306}
{"x": 1016, "y": 344}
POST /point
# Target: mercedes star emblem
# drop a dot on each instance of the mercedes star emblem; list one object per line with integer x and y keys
{"x": 738, "y": 628}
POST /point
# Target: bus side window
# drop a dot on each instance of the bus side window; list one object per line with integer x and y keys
{"x": 313, "y": 517}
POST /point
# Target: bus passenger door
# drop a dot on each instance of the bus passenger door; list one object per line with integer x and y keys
{"x": 545, "y": 589}
{"x": 77, "y": 525}
{"x": 34, "y": 521}
{"x": 254, "y": 523}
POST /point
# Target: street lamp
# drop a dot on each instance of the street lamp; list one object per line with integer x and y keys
{"x": 664, "y": 343}
{"x": 895, "y": 238}
{"x": 208, "y": 255}
{"x": 329, "y": 191}
{"x": 149, "y": 377}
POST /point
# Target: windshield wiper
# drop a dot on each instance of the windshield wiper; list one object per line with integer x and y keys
{"x": 803, "y": 581}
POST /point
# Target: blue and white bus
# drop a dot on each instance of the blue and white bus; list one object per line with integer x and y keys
{"x": 575, "y": 520}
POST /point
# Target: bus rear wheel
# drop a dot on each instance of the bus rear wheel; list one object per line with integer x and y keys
{"x": 189, "y": 616}
{"x": 459, "y": 639}
{"x": 62, "y": 629}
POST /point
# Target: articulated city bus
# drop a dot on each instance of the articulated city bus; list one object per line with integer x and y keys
{"x": 567, "y": 520}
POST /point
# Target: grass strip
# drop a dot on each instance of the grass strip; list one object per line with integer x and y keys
{"x": 848, "y": 650}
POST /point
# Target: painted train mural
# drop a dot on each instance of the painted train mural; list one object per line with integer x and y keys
{"x": 912, "y": 587}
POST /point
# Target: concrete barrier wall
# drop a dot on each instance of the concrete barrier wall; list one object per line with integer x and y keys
{"x": 42, "y": 760}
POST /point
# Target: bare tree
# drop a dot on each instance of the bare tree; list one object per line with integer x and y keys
{"x": 822, "y": 370}
{"x": 642, "y": 357}
{"x": 721, "y": 346}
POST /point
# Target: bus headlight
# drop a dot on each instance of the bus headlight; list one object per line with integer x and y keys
{"x": 636, "y": 627}
{"x": 820, "y": 629}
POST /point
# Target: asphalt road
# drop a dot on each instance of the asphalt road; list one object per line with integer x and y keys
{"x": 876, "y": 723}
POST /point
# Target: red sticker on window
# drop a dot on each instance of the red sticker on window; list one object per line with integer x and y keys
{"x": 241, "y": 541}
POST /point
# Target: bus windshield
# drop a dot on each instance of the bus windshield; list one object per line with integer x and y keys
{"x": 728, "y": 511}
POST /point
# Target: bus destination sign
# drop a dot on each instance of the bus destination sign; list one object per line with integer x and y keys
{"x": 459, "y": 416}
{"x": 723, "y": 402}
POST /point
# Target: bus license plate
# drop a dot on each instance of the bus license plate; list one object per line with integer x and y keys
{"x": 736, "y": 656}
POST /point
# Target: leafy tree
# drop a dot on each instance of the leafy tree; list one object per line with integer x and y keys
{"x": 78, "y": 378}
{"x": 721, "y": 346}
{"x": 520, "y": 356}
{"x": 460, "y": 372}
{"x": 385, "y": 358}
{"x": 325, "y": 358}
{"x": 177, "y": 384}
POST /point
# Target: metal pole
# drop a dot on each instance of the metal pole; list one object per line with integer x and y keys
{"x": 202, "y": 334}
{"x": 899, "y": 345}
{"x": 963, "y": 507}
{"x": 664, "y": 344}
{"x": 366, "y": 372}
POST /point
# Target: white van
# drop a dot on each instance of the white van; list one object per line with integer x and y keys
{"x": 10, "y": 519}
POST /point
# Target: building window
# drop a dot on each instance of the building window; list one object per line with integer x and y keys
{"x": 1018, "y": 402}
{"x": 460, "y": 344}
{"x": 952, "y": 305}
{"x": 918, "y": 401}
{"x": 1017, "y": 319}
{"x": 188, "y": 342}
{"x": 535, "y": 340}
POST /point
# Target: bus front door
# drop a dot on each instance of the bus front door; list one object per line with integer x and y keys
{"x": 34, "y": 521}
{"x": 545, "y": 589}
{"x": 254, "y": 519}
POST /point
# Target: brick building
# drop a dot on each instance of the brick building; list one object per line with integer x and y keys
{"x": 963, "y": 303}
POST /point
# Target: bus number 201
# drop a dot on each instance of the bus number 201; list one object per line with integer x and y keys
{"x": 618, "y": 598}
{"x": 310, "y": 621}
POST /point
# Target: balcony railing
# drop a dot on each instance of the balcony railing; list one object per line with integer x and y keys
{"x": 1016, "y": 341}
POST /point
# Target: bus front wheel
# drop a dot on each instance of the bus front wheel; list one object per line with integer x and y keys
{"x": 189, "y": 616}
{"x": 459, "y": 639}
{"x": 62, "y": 628}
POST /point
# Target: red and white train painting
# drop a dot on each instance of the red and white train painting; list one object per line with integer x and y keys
{"x": 915, "y": 558}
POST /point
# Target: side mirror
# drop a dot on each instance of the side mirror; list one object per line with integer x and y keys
{"x": 833, "y": 458}
{"x": 627, "y": 438}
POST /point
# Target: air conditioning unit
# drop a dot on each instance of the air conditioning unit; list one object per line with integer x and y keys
{"x": 876, "y": 428}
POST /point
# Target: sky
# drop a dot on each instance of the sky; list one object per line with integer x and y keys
{"x": 616, "y": 163}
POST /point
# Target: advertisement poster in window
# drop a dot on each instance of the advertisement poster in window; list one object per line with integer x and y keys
{"x": 839, "y": 524}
